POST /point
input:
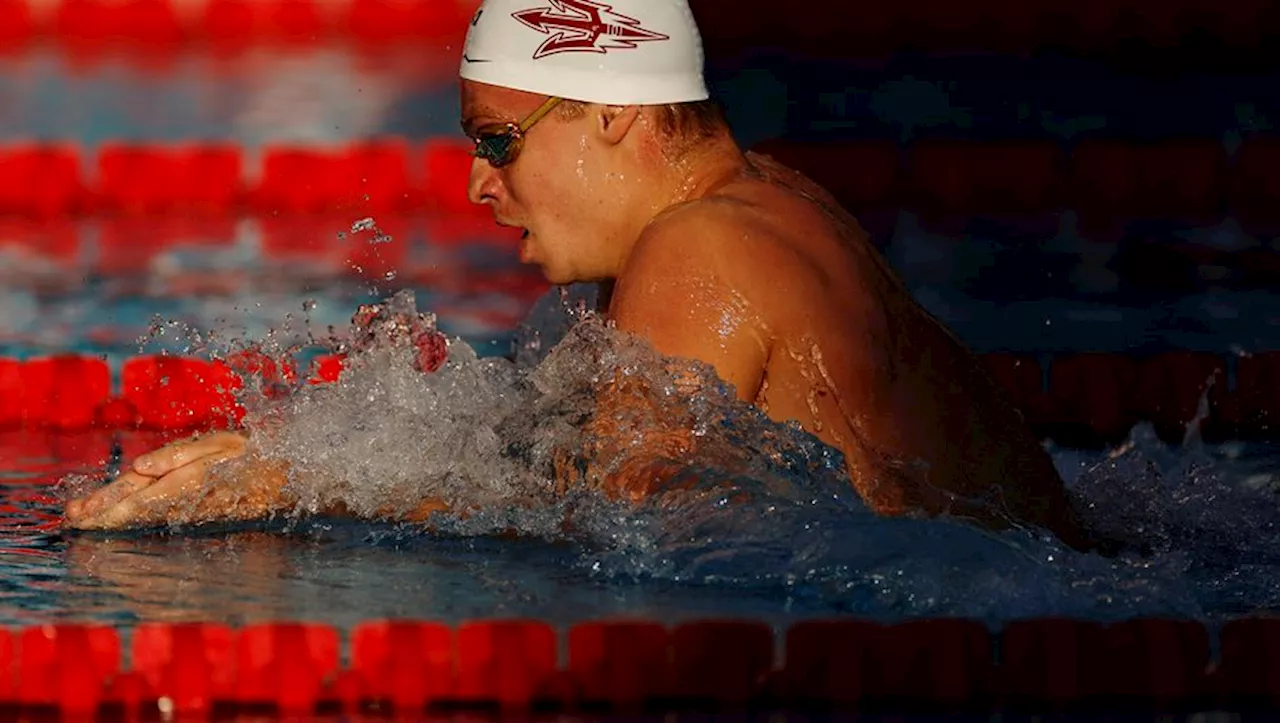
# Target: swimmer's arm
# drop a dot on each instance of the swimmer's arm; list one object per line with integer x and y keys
{"x": 682, "y": 298}
{"x": 171, "y": 485}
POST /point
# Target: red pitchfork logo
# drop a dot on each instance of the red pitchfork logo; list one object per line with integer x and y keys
{"x": 584, "y": 26}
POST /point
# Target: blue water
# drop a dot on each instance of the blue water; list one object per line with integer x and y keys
{"x": 799, "y": 548}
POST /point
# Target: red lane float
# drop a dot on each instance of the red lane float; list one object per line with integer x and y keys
{"x": 66, "y": 666}
{"x": 61, "y": 393}
{"x": 41, "y": 180}
{"x": 239, "y": 22}
{"x": 150, "y": 22}
{"x": 191, "y": 665}
{"x": 1255, "y": 184}
{"x": 722, "y": 662}
{"x": 961, "y": 178}
{"x": 861, "y": 175}
{"x": 1039, "y": 666}
{"x": 372, "y": 175}
{"x": 1056, "y": 665}
{"x": 620, "y": 664}
{"x": 406, "y": 664}
{"x": 1248, "y": 673}
{"x": 172, "y": 393}
{"x": 148, "y": 179}
{"x": 829, "y": 663}
{"x": 285, "y": 665}
{"x": 383, "y": 21}
{"x": 1090, "y": 399}
{"x": 510, "y": 663}
{"x": 447, "y": 166}
{"x": 1114, "y": 182}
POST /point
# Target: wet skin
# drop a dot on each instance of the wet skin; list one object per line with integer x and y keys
{"x": 733, "y": 260}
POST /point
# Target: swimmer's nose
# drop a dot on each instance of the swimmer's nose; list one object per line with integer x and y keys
{"x": 485, "y": 184}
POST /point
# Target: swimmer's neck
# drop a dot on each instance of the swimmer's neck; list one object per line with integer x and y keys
{"x": 675, "y": 180}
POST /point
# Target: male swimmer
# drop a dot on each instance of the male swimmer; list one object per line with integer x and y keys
{"x": 594, "y": 133}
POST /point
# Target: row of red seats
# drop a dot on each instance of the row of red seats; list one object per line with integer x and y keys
{"x": 1006, "y": 26}
{"x": 167, "y": 22}
{"x": 943, "y": 664}
{"x": 839, "y": 30}
{"x": 1192, "y": 180}
{"x": 1084, "y": 396}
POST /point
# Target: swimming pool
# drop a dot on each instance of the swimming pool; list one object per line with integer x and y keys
{"x": 1208, "y": 511}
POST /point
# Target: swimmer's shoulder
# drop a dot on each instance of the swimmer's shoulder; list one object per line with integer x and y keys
{"x": 721, "y": 235}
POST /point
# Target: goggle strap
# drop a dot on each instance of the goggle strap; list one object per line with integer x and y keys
{"x": 538, "y": 114}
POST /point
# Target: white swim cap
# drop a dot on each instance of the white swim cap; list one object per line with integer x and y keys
{"x": 615, "y": 52}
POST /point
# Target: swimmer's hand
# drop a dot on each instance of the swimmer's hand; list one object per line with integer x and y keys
{"x": 170, "y": 486}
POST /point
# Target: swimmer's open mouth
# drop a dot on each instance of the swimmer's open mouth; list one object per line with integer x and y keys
{"x": 524, "y": 234}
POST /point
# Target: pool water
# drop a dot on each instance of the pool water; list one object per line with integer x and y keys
{"x": 797, "y": 550}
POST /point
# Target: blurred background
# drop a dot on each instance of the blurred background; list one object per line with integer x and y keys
{"x": 1050, "y": 178}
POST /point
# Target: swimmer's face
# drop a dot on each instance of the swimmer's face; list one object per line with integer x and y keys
{"x": 550, "y": 188}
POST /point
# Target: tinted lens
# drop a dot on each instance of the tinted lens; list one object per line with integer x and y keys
{"x": 498, "y": 149}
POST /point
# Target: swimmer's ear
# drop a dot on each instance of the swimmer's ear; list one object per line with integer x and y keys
{"x": 615, "y": 121}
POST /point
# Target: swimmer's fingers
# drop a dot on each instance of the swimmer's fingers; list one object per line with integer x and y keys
{"x": 162, "y": 461}
{"x": 168, "y": 500}
{"x": 121, "y": 488}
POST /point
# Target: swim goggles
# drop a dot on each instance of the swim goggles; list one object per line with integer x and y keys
{"x": 500, "y": 143}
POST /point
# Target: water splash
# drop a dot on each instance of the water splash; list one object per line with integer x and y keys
{"x": 762, "y": 507}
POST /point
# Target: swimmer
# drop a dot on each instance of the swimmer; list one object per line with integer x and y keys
{"x": 595, "y": 135}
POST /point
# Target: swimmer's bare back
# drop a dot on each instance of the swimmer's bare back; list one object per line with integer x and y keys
{"x": 812, "y": 326}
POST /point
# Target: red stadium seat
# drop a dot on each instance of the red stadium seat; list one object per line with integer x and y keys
{"x": 41, "y": 180}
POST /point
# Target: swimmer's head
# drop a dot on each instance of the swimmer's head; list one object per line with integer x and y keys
{"x": 573, "y": 105}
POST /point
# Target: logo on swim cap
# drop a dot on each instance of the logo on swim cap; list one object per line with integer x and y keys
{"x": 584, "y": 26}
